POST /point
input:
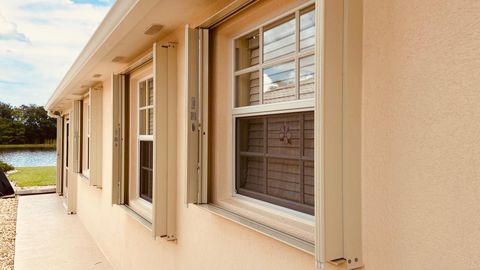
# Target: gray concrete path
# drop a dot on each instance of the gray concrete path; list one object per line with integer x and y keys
{"x": 48, "y": 238}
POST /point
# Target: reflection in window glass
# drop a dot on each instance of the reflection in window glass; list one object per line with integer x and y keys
{"x": 246, "y": 51}
{"x": 142, "y": 97}
{"x": 150, "y": 121}
{"x": 279, "y": 83}
{"x": 307, "y": 30}
{"x": 146, "y": 170}
{"x": 247, "y": 86}
{"x": 150, "y": 92}
{"x": 278, "y": 168}
{"x": 307, "y": 77}
{"x": 142, "y": 122}
{"x": 279, "y": 40}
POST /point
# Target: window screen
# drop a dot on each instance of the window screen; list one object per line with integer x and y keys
{"x": 275, "y": 159}
{"x": 146, "y": 170}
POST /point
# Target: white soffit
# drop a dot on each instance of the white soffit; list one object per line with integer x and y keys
{"x": 121, "y": 34}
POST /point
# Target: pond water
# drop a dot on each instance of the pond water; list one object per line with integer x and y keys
{"x": 29, "y": 157}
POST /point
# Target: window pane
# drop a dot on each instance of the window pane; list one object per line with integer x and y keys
{"x": 278, "y": 170}
{"x": 142, "y": 124}
{"x": 88, "y": 153}
{"x": 251, "y": 174}
{"x": 284, "y": 135}
{"x": 246, "y": 51}
{"x": 150, "y": 121}
{"x": 142, "y": 94}
{"x": 247, "y": 87}
{"x": 283, "y": 179}
{"x": 279, "y": 83}
{"x": 307, "y": 77}
{"x": 250, "y": 134}
{"x": 146, "y": 170}
{"x": 150, "y": 92}
{"x": 308, "y": 183}
{"x": 308, "y": 135}
{"x": 307, "y": 30}
{"x": 279, "y": 40}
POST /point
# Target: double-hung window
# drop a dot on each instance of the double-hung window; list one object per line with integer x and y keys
{"x": 141, "y": 142}
{"x": 86, "y": 138}
{"x": 145, "y": 140}
{"x": 273, "y": 111}
{"x": 290, "y": 168}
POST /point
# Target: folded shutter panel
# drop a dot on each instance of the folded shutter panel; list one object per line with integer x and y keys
{"x": 118, "y": 84}
{"x": 197, "y": 112}
{"x": 96, "y": 128}
{"x": 164, "y": 203}
{"x": 59, "y": 154}
{"x": 160, "y": 154}
{"x": 77, "y": 124}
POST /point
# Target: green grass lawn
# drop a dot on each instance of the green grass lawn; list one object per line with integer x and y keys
{"x": 34, "y": 176}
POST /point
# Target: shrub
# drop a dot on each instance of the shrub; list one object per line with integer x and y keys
{"x": 5, "y": 167}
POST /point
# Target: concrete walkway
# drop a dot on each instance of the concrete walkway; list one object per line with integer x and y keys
{"x": 48, "y": 238}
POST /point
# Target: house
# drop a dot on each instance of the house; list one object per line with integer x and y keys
{"x": 276, "y": 134}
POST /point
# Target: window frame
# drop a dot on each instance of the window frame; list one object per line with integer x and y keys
{"x": 293, "y": 106}
{"x": 148, "y": 137}
{"x": 337, "y": 219}
{"x": 86, "y": 135}
{"x": 136, "y": 202}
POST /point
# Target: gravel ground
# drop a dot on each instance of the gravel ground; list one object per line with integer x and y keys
{"x": 8, "y": 221}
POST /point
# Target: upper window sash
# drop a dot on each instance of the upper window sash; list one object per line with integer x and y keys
{"x": 275, "y": 62}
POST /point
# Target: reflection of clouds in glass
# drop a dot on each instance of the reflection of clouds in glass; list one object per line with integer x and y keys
{"x": 279, "y": 76}
{"x": 279, "y": 40}
{"x": 307, "y": 68}
{"x": 268, "y": 82}
{"x": 307, "y": 30}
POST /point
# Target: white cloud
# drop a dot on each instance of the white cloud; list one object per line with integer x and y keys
{"x": 44, "y": 39}
{"x": 8, "y": 31}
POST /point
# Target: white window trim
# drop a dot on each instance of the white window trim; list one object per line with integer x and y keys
{"x": 137, "y": 203}
{"x": 298, "y": 105}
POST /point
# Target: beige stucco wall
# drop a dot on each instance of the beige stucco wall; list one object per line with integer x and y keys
{"x": 421, "y": 131}
{"x": 205, "y": 241}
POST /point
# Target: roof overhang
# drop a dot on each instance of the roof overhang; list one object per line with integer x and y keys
{"x": 121, "y": 38}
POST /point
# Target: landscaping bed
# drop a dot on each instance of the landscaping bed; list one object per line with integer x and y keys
{"x": 8, "y": 221}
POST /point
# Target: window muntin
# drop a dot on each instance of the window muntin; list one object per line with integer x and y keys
{"x": 280, "y": 52}
{"x": 275, "y": 159}
{"x": 274, "y": 151}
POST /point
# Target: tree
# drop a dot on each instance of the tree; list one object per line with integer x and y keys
{"x": 25, "y": 124}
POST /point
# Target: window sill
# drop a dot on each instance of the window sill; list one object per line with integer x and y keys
{"x": 141, "y": 208}
{"x": 84, "y": 177}
{"x": 288, "y": 226}
{"x": 147, "y": 224}
{"x": 261, "y": 228}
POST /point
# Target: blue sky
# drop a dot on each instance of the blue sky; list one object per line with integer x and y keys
{"x": 39, "y": 40}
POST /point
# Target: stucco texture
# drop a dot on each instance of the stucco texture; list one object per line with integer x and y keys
{"x": 421, "y": 131}
{"x": 205, "y": 241}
